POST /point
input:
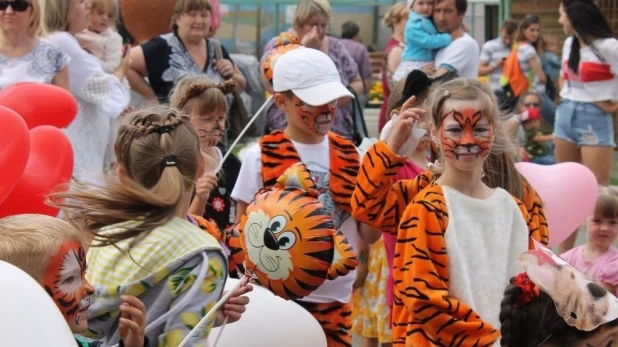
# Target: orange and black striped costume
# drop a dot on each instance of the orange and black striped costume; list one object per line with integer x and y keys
{"x": 278, "y": 154}
{"x": 423, "y": 312}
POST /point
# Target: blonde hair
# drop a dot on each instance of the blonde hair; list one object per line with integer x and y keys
{"x": 396, "y": 14}
{"x": 56, "y": 14}
{"x": 197, "y": 93}
{"x": 499, "y": 166}
{"x": 111, "y": 5}
{"x": 309, "y": 8}
{"x": 35, "y": 22}
{"x": 159, "y": 151}
{"x": 607, "y": 203}
{"x": 28, "y": 241}
{"x": 186, "y": 6}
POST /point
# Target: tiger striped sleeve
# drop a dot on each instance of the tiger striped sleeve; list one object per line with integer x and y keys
{"x": 376, "y": 201}
{"x": 427, "y": 315}
{"x": 534, "y": 207}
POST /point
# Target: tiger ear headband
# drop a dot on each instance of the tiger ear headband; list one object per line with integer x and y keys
{"x": 581, "y": 302}
{"x": 195, "y": 89}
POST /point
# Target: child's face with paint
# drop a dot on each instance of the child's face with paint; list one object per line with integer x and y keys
{"x": 316, "y": 120}
{"x": 210, "y": 127}
{"x": 465, "y": 136}
{"x": 65, "y": 281}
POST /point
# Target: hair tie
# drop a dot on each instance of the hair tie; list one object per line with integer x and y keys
{"x": 529, "y": 290}
{"x": 164, "y": 129}
{"x": 446, "y": 94}
{"x": 170, "y": 160}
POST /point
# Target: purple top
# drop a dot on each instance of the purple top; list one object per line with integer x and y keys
{"x": 359, "y": 53}
{"x": 275, "y": 118}
{"x": 603, "y": 269}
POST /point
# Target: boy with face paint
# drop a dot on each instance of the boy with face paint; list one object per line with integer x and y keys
{"x": 307, "y": 87}
{"x": 54, "y": 253}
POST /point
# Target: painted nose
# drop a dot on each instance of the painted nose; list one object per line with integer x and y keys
{"x": 270, "y": 241}
{"x": 468, "y": 138}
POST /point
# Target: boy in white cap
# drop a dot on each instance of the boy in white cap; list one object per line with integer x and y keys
{"x": 307, "y": 87}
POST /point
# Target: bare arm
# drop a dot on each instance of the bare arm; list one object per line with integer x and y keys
{"x": 543, "y": 138}
{"x": 138, "y": 72}
{"x": 198, "y": 206}
{"x": 241, "y": 81}
{"x": 241, "y": 208}
{"x": 362, "y": 269}
{"x": 369, "y": 234}
{"x": 357, "y": 85}
{"x": 62, "y": 78}
{"x": 394, "y": 59}
{"x": 485, "y": 68}
{"x": 535, "y": 64}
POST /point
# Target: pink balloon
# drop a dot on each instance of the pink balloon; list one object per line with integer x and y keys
{"x": 568, "y": 191}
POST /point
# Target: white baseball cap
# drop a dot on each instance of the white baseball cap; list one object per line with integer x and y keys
{"x": 311, "y": 75}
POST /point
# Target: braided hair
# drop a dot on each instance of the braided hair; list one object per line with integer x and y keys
{"x": 198, "y": 94}
{"x": 158, "y": 153}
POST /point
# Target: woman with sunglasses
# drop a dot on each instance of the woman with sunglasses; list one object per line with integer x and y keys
{"x": 24, "y": 57}
{"x": 100, "y": 96}
{"x": 584, "y": 129}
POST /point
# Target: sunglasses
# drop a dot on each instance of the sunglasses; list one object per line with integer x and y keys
{"x": 17, "y": 5}
{"x": 532, "y": 104}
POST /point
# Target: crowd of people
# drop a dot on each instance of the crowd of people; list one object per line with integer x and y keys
{"x": 435, "y": 209}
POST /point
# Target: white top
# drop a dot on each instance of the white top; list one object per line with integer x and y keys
{"x": 525, "y": 52}
{"x": 462, "y": 56}
{"x": 492, "y": 52}
{"x": 317, "y": 159}
{"x": 597, "y": 77}
{"x": 483, "y": 240}
{"x": 105, "y": 46}
{"x": 40, "y": 65}
{"x": 100, "y": 97}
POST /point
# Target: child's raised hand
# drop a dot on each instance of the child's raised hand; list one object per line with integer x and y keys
{"x": 205, "y": 185}
{"x": 401, "y": 135}
{"x": 132, "y": 321}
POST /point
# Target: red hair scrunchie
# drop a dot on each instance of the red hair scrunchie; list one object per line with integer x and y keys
{"x": 529, "y": 290}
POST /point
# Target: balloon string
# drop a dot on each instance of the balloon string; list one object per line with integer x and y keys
{"x": 201, "y": 325}
{"x": 242, "y": 133}
{"x": 220, "y": 331}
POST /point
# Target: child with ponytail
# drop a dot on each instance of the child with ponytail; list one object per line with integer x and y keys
{"x": 143, "y": 244}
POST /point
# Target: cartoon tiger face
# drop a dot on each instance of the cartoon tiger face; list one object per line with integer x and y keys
{"x": 289, "y": 238}
{"x": 581, "y": 302}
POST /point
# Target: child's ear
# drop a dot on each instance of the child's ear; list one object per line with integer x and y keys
{"x": 393, "y": 112}
{"x": 433, "y": 131}
{"x": 281, "y": 100}
{"x": 121, "y": 172}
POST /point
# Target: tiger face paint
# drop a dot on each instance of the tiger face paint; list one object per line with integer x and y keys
{"x": 65, "y": 281}
{"x": 465, "y": 135}
{"x": 210, "y": 128}
{"x": 317, "y": 119}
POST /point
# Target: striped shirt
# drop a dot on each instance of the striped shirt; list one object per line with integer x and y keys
{"x": 492, "y": 52}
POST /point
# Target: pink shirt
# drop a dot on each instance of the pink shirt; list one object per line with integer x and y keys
{"x": 409, "y": 171}
{"x": 603, "y": 269}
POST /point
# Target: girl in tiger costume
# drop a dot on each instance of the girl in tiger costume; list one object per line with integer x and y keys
{"x": 307, "y": 88}
{"x": 438, "y": 302}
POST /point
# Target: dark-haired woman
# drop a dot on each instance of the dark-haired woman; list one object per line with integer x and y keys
{"x": 584, "y": 128}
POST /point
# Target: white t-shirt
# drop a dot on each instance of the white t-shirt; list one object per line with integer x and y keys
{"x": 493, "y": 52}
{"x": 317, "y": 159}
{"x": 597, "y": 76}
{"x": 462, "y": 56}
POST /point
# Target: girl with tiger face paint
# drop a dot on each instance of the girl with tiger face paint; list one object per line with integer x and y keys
{"x": 465, "y": 134}
{"x": 65, "y": 281}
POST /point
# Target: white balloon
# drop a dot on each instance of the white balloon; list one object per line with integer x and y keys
{"x": 28, "y": 315}
{"x": 270, "y": 321}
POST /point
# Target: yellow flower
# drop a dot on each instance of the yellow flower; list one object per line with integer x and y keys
{"x": 189, "y": 319}
{"x": 173, "y": 338}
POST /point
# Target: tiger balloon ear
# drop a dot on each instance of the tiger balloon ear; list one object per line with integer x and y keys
{"x": 345, "y": 258}
{"x": 298, "y": 176}
{"x": 237, "y": 253}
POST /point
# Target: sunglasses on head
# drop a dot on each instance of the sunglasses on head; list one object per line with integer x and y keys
{"x": 532, "y": 104}
{"x": 16, "y": 5}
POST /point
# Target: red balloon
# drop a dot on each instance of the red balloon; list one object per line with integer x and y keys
{"x": 50, "y": 164}
{"x": 14, "y": 150}
{"x": 40, "y": 104}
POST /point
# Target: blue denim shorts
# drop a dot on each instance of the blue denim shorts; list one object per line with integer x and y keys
{"x": 584, "y": 124}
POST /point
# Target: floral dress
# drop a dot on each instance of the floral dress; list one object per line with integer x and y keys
{"x": 40, "y": 65}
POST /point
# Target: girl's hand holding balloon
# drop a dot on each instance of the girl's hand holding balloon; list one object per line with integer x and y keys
{"x": 235, "y": 306}
{"x": 132, "y": 321}
{"x": 205, "y": 185}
